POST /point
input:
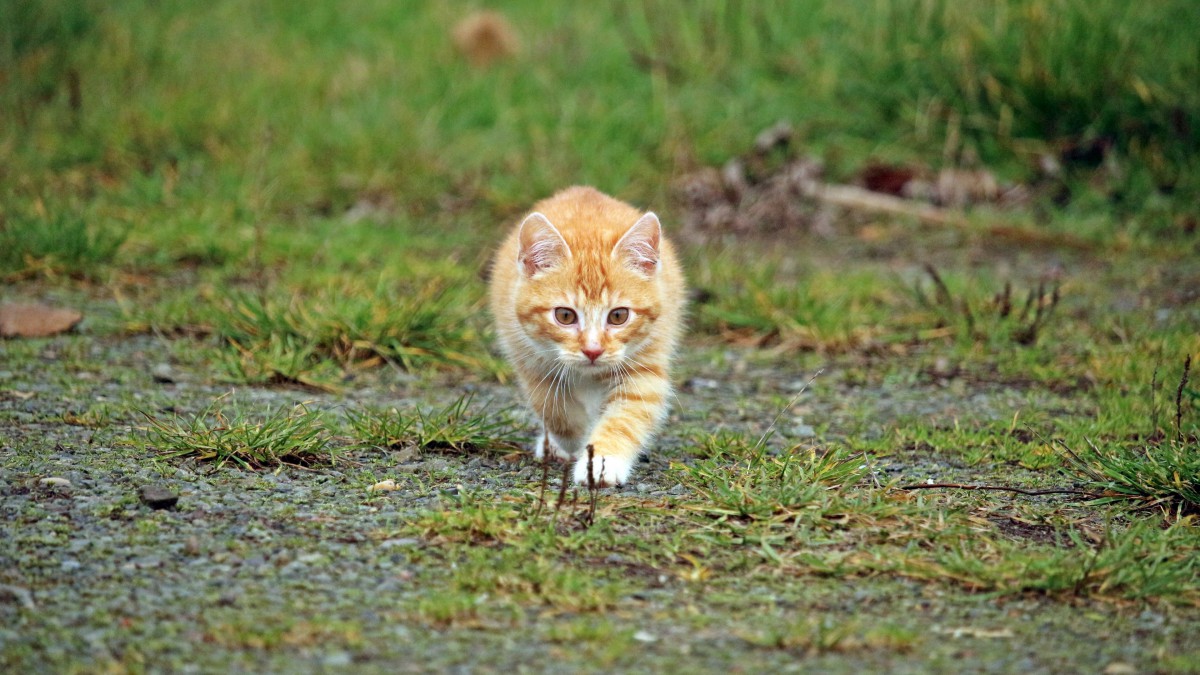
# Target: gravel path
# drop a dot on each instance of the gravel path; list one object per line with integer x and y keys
{"x": 304, "y": 570}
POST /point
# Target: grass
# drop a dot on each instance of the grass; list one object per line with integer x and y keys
{"x": 411, "y": 328}
{"x": 1166, "y": 475}
{"x": 459, "y": 426}
{"x": 42, "y": 244}
{"x": 1018, "y": 317}
{"x": 294, "y": 435}
{"x": 1162, "y": 472}
{"x": 751, "y": 483}
{"x": 817, "y": 310}
{"x": 811, "y": 636}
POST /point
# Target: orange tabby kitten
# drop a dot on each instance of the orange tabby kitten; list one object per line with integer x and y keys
{"x": 588, "y": 301}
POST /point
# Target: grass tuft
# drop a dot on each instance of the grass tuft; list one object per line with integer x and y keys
{"x": 748, "y": 481}
{"x": 293, "y": 435}
{"x": 456, "y": 427}
{"x": 1001, "y": 316}
{"x": 1165, "y": 474}
{"x": 58, "y": 243}
{"x": 814, "y": 636}
{"x": 292, "y": 339}
{"x": 820, "y": 311}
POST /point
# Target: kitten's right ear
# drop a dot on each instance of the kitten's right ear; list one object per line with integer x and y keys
{"x": 542, "y": 247}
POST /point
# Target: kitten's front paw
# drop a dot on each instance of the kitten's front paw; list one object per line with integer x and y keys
{"x": 606, "y": 471}
{"x": 546, "y": 449}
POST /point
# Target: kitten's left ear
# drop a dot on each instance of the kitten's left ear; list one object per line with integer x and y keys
{"x": 638, "y": 247}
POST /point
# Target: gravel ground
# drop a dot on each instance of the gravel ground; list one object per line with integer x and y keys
{"x": 93, "y": 578}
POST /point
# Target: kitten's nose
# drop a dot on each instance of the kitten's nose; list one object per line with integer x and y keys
{"x": 593, "y": 354}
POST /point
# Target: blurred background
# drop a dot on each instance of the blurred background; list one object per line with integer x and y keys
{"x": 180, "y": 151}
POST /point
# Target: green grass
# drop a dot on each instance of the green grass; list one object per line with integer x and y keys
{"x": 460, "y": 426}
{"x": 313, "y": 131}
{"x": 1162, "y": 470}
{"x": 811, "y": 636}
{"x": 40, "y": 243}
{"x": 818, "y": 310}
{"x": 282, "y": 340}
{"x": 754, "y": 483}
{"x": 293, "y": 435}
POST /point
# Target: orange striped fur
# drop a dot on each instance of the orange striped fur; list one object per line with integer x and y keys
{"x": 588, "y": 300}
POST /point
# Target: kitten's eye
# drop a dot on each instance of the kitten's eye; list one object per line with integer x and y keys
{"x": 564, "y": 315}
{"x": 618, "y": 316}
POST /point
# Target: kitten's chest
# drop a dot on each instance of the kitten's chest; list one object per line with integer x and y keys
{"x": 592, "y": 393}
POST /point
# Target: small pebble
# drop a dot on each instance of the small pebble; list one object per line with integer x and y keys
{"x": 384, "y": 486}
{"x": 406, "y": 541}
{"x": 643, "y": 636}
{"x": 163, "y": 374}
{"x": 21, "y": 595}
{"x": 55, "y": 481}
{"x": 804, "y": 431}
{"x": 159, "y": 497}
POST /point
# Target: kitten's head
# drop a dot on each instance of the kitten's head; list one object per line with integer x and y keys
{"x": 591, "y": 305}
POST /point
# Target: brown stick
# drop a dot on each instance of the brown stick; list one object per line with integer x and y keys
{"x": 545, "y": 477}
{"x": 562, "y": 490}
{"x": 1187, "y": 366}
{"x": 861, "y": 199}
{"x": 999, "y": 488}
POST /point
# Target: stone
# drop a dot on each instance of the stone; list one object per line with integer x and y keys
{"x": 163, "y": 374}
{"x": 17, "y": 594}
{"x": 159, "y": 497}
{"x": 33, "y": 320}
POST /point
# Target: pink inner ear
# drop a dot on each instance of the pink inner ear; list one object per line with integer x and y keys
{"x": 541, "y": 245}
{"x": 638, "y": 248}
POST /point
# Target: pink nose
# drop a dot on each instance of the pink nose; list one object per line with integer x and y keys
{"x": 593, "y": 354}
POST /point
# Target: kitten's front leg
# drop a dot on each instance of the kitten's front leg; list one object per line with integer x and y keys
{"x": 631, "y": 415}
{"x": 555, "y": 449}
{"x": 563, "y": 420}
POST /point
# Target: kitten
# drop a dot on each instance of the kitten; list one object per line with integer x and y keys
{"x": 588, "y": 300}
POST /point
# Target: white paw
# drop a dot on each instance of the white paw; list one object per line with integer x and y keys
{"x": 546, "y": 446}
{"x": 606, "y": 471}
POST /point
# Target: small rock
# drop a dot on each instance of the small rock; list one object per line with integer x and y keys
{"x": 55, "y": 481}
{"x": 163, "y": 374}
{"x": 388, "y": 485}
{"x": 1119, "y": 668}
{"x": 159, "y": 497}
{"x": 643, "y": 636}
{"x": 19, "y": 320}
{"x": 775, "y": 136}
{"x": 406, "y": 454}
{"x": 21, "y": 595}
{"x": 406, "y": 541}
{"x": 698, "y": 383}
{"x": 336, "y": 659}
{"x": 804, "y": 431}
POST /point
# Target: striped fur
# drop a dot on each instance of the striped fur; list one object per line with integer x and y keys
{"x": 587, "y": 252}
